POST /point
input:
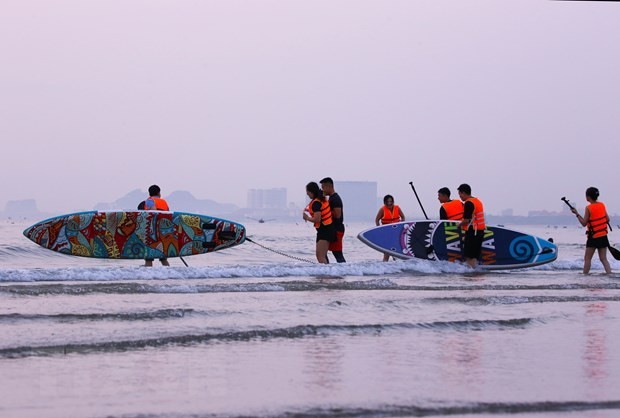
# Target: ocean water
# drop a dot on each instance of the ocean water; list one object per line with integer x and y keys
{"x": 252, "y": 332}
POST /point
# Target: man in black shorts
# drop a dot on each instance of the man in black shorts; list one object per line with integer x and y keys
{"x": 335, "y": 204}
{"x": 473, "y": 224}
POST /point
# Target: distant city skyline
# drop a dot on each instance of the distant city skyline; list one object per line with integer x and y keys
{"x": 357, "y": 198}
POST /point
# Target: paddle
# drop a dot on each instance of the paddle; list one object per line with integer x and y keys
{"x": 430, "y": 248}
{"x": 416, "y": 196}
{"x": 615, "y": 253}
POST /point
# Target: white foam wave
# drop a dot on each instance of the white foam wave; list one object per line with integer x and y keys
{"x": 356, "y": 269}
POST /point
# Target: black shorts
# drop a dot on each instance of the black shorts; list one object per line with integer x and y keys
{"x": 600, "y": 242}
{"x": 327, "y": 233}
{"x": 472, "y": 244}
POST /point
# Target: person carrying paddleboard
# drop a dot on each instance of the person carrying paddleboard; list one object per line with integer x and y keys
{"x": 389, "y": 214}
{"x": 473, "y": 224}
{"x": 155, "y": 202}
{"x": 596, "y": 220}
{"x": 451, "y": 210}
{"x": 319, "y": 212}
{"x": 335, "y": 204}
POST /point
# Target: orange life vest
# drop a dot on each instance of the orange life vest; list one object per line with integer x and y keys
{"x": 454, "y": 210}
{"x": 477, "y": 220}
{"x": 390, "y": 216}
{"x": 326, "y": 212}
{"x": 160, "y": 204}
{"x": 597, "y": 224}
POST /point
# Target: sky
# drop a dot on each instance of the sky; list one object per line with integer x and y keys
{"x": 518, "y": 98}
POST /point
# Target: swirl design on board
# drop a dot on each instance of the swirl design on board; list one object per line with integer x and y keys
{"x": 523, "y": 248}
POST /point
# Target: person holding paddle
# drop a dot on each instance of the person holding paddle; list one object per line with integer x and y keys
{"x": 596, "y": 220}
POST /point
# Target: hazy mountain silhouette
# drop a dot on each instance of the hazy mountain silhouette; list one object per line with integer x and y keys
{"x": 128, "y": 202}
{"x": 183, "y": 201}
{"x": 179, "y": 201}
{"x": 26, "y": 208}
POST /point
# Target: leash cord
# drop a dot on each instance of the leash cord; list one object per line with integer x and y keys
{"x": 279, "y": 252}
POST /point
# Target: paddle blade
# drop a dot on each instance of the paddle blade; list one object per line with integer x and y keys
{"x": 614, "y": 252}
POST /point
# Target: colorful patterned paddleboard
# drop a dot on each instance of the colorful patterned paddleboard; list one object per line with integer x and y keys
{"x": 441, "y": 240}
{"x": 135, "y": 235}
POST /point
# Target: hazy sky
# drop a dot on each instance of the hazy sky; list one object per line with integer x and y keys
{"x": 518, "y": 98}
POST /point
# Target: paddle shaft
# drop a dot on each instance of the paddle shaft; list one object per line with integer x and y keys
{"x": 568, "y": 203}
{"x": 416, "y": 196}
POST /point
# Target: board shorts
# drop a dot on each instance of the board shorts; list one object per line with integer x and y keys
{"x": 472, "y": 244}
{"x": 326, "y": 233}
{"x": 337, "y": 245}
{"x": 600, "y": 242}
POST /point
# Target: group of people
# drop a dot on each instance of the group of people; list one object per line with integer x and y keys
{"x": 325, "y": 210}
{"x": 469, "y": 211}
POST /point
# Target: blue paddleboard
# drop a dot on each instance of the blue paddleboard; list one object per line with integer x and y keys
{"x": 502, "y": 248}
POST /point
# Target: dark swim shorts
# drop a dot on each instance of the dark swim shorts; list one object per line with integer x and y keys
{"x": 600, "y": 242}
{"x": 472, "y": 245}
{"x": 327, "y": 233}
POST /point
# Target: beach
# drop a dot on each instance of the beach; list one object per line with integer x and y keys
{"x": 249, "y": 332}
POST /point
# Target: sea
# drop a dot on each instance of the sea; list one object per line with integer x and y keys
{"x": 259, "y": 330}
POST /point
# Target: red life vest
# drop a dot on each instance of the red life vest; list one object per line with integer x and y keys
{"x": 326, "y": 212}
{"x": 477, "y": 220}
{"x": 597, "y": 224}
{"x": 454, "y": 210}
{"x": 390, "y": 216}
{"x": 160, "y": 204}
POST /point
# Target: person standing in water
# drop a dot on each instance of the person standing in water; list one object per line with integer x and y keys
{"x": 155, "y": 202}
{"x": 319, "y": 213}
{"x": 335, "y": 204}
{"x": 451, "y": 210}
{"x": 389, "y": 214}
{"x": 596, "y": 220}
{"x": 474, "y": 225}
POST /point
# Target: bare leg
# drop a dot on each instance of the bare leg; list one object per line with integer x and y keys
{"x": 472, "y": 262}
{"x": 602, "y": 255}
{"x": 148, "y": 263}
{"x": 321, "y": 251}
{"x": 587, "y": 260}
{"x": 386, "y": 257}
{"x": 164, "y": 262}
